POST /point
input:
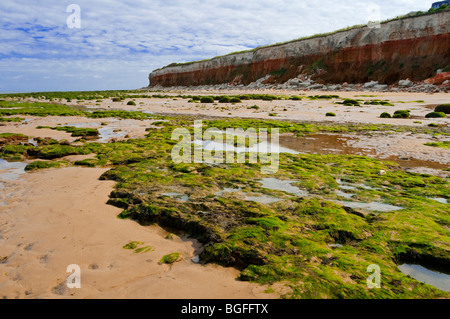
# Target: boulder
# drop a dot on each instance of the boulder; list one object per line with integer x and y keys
{"x": 370, "y": 85}
{"x": 405, "y": 83}
{"x": 316, "y": 86}
{"x": 439, "y": 78}
{"x": 380, "y": 87}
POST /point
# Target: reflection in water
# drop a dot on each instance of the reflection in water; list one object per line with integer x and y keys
{"x": 181, "y": 197}
{"x": 338, "y": 144}
{"x": 263, "y": 147}
{"x": 323, "y": 144}
{"x": 440, "y": 200}
{"x": 374, "y": 206}
{"x": 228, "y": 190}
{"x": 107, "y": 133}
{"x": 434, "y": 278}
{"x": 345, "y": 195}
{"x": 263, "y": 199}
{"x": 11, "y": 170}
{"x": 282, "y": 185}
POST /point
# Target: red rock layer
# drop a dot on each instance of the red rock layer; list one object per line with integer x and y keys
{"x": 386, "y": 62}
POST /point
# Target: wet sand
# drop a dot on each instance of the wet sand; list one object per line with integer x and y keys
{"x": 129, "y": 128}
{"x": 58, "y": 217}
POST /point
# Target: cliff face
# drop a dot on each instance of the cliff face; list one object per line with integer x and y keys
{"x": 411, "y": 48}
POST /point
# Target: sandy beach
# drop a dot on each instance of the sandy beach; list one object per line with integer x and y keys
{"x": 420, "y": 104}
{"x": 58, "y": 217}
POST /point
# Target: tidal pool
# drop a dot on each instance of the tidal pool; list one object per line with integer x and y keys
{"x": 345, "y": 195}
{"x": 282, "y": 185}
{"x": 440, "y": 200}
{"x": 434, "y": 278}
{"x": 374, "y": 206}
{"x": 264, "y": 148}
{"x": 11, "y": 170}
{"x": 263, "y": 199}
{"x": 227, "y": 190}
{"x": 107, "y": 133}
{"x": 182, "y": 197}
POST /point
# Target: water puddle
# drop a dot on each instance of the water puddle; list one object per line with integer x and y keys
{"x": 374, "y": 206}
{"x": 107, "y": 133}
{"x": 227, "y": 190}
{"x": 440, "y": 200}
{"x": 181, "y": 197}
{"x": 263, "y": 147}
{"x": 343, "y": 194}
{"x": 282, "y": 185}
{"x": 33, "y": 142}
{"x": 11, "y": 171}
{"x": 338, "y": 144}
{"x": 323, "y": 144}
{"x": 263, "y": 199}
{"x": 434, "y": 278}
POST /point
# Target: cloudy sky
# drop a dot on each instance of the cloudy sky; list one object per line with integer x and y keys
{"x": 118, "y": 43}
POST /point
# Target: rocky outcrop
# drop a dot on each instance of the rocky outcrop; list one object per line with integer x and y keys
{"x": 410, "y": 48}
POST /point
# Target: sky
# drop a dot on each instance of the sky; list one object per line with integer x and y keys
{"x": 75, "y": 45}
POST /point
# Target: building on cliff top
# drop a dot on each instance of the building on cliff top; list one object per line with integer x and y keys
{"x": 437, "y": 5}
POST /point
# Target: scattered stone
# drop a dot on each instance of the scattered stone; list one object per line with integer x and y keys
{"x": 370, "y": 85}
{"x": 195, "y": 259}
{"x": 405, "y": 83}
{"x": 380, "y": 87}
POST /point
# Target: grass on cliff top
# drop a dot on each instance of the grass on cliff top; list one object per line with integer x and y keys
{"x": 289, "y": 241}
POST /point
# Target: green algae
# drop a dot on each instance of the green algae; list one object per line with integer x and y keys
{"x": 170, "y": 259}
{"x": 288, "y": 241}
{"x": 44, "y": 164}
{"x": 439, "y": 144}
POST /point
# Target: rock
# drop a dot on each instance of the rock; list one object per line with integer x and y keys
{"x": 380, "y": 87}
{"x": 405, "y": 83}
{"x": 382, "y": 173}
{"x": 316, "y": 86}
{"x": 195, "y": 259}
{"x": 333, "y": 87}
{"x": 439, "y": 78}
{"x": 370, "y": 85}
{"x": 305, "y": 84}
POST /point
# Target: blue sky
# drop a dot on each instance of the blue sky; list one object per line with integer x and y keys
{"x": 121, "y": 42}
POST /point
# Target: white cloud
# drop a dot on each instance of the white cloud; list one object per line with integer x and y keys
{"x": 119, "y": 39}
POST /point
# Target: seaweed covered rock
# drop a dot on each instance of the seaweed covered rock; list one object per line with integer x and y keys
{"x": 445, "y": 108}
{"x": 436, "y": 115}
